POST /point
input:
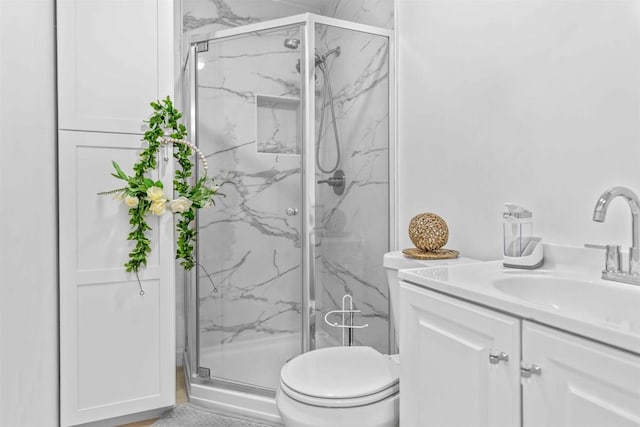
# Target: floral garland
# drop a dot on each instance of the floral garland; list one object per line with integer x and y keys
{"x": 143, "y": 195}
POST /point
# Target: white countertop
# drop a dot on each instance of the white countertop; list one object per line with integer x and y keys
{"x": 598, "y": 309}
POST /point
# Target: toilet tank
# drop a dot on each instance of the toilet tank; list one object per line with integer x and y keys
{"x": 395, "y": 261}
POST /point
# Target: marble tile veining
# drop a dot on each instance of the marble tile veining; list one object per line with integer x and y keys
{"x": 249, "y": 130}
{"x": 249, "y": 247}
{"x": 355, "y": 225}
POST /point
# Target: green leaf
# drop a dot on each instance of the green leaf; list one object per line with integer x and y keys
{"x": 164, "y": 115}
{"x": 120, "y": 173}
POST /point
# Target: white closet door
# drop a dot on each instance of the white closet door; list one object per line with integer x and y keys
{"x": 117, "y": 347}
{"x": 114, "y": 57}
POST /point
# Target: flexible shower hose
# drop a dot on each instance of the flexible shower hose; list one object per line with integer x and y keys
{"x": 326, "y": 90}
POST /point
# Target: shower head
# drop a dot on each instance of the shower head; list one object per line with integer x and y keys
{"x": 291, "y": 43}
{"x": 322, "y": 59}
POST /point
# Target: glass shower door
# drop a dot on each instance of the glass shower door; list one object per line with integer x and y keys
{"x": 249, "y": 279}
{"x": 352, "y": 138}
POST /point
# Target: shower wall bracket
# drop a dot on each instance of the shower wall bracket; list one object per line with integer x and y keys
{"x": 202, "y": 46}
{"x": 204, "y": 372}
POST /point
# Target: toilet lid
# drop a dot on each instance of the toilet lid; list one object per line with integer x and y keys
{"x": 339, "y": 373}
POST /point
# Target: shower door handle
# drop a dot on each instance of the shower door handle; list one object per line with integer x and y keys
{"x": 291, "y": 211}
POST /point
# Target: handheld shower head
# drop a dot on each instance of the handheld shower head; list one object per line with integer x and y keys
{"x": 291, "y": 43}
{"x": 335, "y": 51}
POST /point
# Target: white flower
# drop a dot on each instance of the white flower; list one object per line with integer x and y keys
{"x": 131, "y": 201}
{"x": 158, "y": 207}
{"x": 181, "y": 204}
{"x": 208, "y": 204}
{"x": 156, "y": 194}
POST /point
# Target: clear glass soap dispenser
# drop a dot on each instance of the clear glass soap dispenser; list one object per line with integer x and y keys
{"x": 518, "y": 229}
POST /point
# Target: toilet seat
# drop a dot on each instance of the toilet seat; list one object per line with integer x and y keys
{"x": 340, "y": 377}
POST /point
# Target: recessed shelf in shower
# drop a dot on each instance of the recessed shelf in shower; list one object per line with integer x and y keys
{"x": 278, "y": 125}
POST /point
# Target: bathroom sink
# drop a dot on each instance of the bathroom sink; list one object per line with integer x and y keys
{"x": 613, "y": 304}
{"x": 567, "y": 293}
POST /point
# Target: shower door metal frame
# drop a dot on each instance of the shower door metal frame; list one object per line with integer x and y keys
{"x": 308, "y": 23}
{"x": 191, "y": 305}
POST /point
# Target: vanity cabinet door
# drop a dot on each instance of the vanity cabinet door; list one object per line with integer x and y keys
{"x": 447, "y": 377}
{"x": 581, "y": 383}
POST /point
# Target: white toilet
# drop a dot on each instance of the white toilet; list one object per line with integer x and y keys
{"x": 347, "y": 386}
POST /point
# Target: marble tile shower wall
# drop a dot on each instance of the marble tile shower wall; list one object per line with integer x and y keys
{"x": 251, "y": 249}
{"x": 354, "y": 227}
{"x": 207, "y": 16}
{"x": 204, "y": 16}
{"x": 378, "y": 13}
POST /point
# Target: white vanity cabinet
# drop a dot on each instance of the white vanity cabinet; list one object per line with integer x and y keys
{"x": 581, "y": 383}
{"x": 448, "y": 377}
{"x": 453, "y": 372}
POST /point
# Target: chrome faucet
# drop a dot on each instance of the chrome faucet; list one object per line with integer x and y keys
{"x": 612, "y": 271}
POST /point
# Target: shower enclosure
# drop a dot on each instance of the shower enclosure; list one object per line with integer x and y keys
{"x": 294, "y": 117}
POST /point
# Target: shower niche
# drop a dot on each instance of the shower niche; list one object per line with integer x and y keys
{"x": 278, "y": 125}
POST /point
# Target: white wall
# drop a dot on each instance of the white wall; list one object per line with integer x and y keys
{"x": 28, "y": 248}
{"x": 531, "y": 101}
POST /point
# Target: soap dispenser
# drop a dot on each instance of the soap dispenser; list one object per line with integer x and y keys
{"x": 521, "y": 249}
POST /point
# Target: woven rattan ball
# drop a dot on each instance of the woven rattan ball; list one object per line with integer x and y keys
{"x": 428, "y": 231}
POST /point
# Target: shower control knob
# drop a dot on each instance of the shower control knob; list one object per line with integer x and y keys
{"x": 337, "y": 181}
{"x": 291, "y": 211}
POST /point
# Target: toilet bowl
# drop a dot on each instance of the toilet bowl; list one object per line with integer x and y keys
{"x": 347, "y": 386}
{"x": 339, "y": 386}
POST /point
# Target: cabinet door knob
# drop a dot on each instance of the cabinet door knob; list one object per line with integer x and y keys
{"x": 291, "y": 211}
{"x": 533, "y": 369}
{"x": 495, "y": 358}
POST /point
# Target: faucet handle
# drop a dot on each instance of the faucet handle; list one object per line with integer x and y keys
{"x": 634, "y": 262}
{"x": 613, "y": 262}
